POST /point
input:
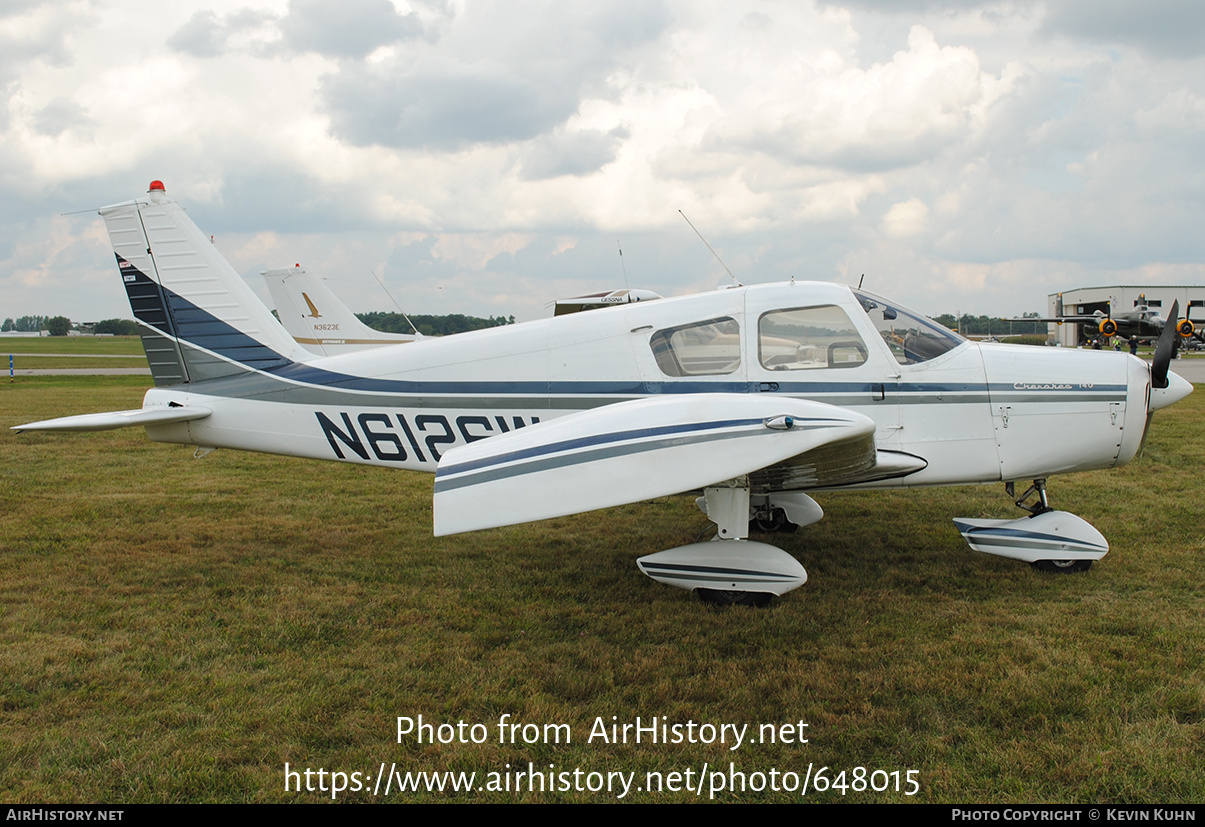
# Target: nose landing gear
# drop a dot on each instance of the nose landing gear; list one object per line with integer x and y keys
{"x": 1050, "y": 540}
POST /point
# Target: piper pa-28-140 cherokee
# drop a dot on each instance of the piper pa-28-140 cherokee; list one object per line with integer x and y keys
{"x": 751, "y": 395}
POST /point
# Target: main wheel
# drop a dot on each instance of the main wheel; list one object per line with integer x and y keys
{"x": 716, "y": 597}
{"x": 777, "y": 521}
{"x": 1062, "y": 566}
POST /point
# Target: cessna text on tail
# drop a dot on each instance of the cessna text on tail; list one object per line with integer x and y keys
{"x": 594, "y": 301}
{"x": 751, "y": 396}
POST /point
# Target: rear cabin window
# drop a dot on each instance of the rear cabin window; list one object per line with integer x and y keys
{"x": 808, "y": 338}
{"x": 700, "y": 349}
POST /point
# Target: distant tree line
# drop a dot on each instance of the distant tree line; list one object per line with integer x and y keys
{"x": 117, "y": 327}
{"x": 25, "y": 324}
{"x": 990, "y": 325}
{"x": 431, "y": 325}
{"x": 57, "y": 325}
{"x": 387, "y": 322}
{"x": 60, "y": 325}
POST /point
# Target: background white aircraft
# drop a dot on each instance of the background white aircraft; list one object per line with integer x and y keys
{"x": 317, "y": 320}
{"x": 753, "y": 396}
{"x": 595, "y": 301}
{"x": 321, "y": 323}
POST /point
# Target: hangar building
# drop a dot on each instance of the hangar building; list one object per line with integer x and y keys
{"x": 1109, "y": 300}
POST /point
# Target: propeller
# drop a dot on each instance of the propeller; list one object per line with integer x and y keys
{"x": 1166, "y": 348}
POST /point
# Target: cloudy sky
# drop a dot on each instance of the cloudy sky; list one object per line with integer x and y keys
{"x": 488, "y": 157}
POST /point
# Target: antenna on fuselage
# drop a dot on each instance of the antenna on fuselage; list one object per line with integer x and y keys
{"x": 622, "y": 265}
{"x": 735, "y": 282}
{"x": 860, "y": 279}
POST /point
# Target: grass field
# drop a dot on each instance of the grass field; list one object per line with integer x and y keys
{"x": 83, "y": 345}
{"x": 72, "y": 352}
{"x": 177, "y": 629}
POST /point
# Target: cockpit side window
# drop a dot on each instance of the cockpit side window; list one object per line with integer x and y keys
{"x": 910, "y": 336}
{"x": 807, "y": 338}
{"x": 705, "y": 348}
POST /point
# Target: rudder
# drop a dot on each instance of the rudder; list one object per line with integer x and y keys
{"x": 200, "y": 320}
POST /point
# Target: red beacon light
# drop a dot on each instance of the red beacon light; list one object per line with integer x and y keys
{"x": 156, "y": 185}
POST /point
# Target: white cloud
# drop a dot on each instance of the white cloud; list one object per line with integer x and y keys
{"x": 906, "y": 218}
{"x": 347, "y": 28}
{"x": 576, "y": 153}
{"x": 924, "y": 100}
{"x": 974, "y": 153}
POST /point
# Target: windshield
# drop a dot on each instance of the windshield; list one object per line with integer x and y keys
{"x": 911, "y": 337}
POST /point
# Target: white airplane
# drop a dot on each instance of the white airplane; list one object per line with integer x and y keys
{"x": 321, "y": 323}
{"x": 594, "y": 301}
{"x": 754, "y": 396}
{"x": 317, "y": 320}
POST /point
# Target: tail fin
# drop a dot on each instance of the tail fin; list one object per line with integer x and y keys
{"x": 200, "y": 319}
{"x": 315, "y": 317}
{"x": 593, "y": 301}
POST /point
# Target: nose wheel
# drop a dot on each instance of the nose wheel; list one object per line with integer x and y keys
{"x": 1041, "y": 506}
{"x": 716, "y": 597}
{"x": 1049, "y": 540}
{"x": 1062, "y": 566}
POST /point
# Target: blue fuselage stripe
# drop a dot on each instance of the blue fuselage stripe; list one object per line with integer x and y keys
{"x": 200, "y": 328}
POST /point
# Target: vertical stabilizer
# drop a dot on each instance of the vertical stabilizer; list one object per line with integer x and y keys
{"x": 315, "y": 317}
{"x": 200, "y": 319}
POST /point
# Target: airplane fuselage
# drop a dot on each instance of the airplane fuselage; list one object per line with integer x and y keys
{"x": 973, "y": 412}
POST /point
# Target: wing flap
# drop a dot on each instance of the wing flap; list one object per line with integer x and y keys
{"x": 635, "y": 451}
{"x": 112, "y": 420}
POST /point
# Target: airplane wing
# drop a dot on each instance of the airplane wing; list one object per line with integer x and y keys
{"x": 116, "y": 419}
{"x": 647, "y": 448}
{"x": 1056, "y": 319}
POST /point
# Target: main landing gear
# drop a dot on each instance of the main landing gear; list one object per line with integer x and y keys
{"x": 771, "y": 521}
{"x": 732, "y": 570}
{"x": 1051, "y": 541}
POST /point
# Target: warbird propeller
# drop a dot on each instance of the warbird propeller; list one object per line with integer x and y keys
{"x": 753, "y": 396}
{"x": 1142, "y": 322}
